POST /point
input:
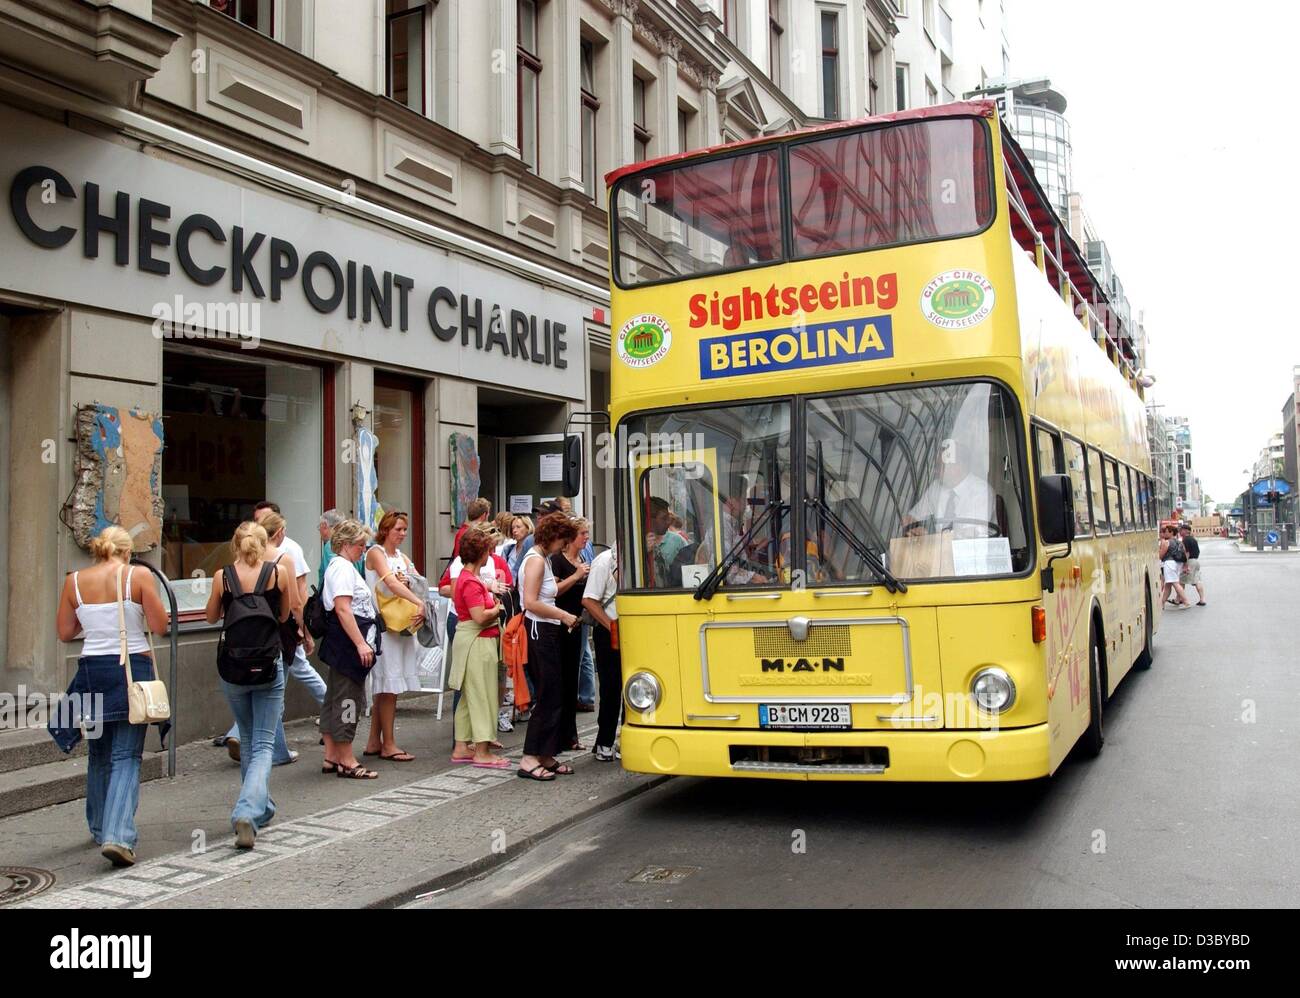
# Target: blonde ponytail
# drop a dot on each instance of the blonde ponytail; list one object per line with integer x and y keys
{"x": 249, "y": 543}
{"x": 272, "y": 522}
{"x": 112, "y": 542}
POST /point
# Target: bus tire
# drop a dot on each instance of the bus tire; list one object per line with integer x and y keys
{"x": 1094, "y": 736}
{"x": 1143, "y": 661}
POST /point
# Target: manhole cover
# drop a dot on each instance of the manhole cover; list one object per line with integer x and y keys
{"x": 19, "y": 882}
{"x": 662, "y": 874}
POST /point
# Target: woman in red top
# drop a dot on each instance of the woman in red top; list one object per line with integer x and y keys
{"x": 475, "y": 653}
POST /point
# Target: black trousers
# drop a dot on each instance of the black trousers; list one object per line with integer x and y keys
{"x": 545, "y": 728}
{"x": 571, "y": 664}
{"x": 609, "y": 673}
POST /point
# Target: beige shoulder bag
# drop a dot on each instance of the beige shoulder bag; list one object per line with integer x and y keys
{"x": 146, "y": 701}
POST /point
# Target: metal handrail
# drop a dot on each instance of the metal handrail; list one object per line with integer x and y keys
{"x": 1094, "y": 321}
{"x": 171, "y": 680}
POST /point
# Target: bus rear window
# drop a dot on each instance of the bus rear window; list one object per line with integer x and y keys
{"x": 901, "y": 184}
{"x": 699, "y": 218}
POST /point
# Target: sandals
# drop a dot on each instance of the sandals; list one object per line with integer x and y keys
{"x": 357, "y": 772}
{"x": 559, "y": 769}
{"x": 399, "y": 757}
{"x": 329, "y": 768}
{"x": 539, "y": 773}
{"x": 495, "y": 764}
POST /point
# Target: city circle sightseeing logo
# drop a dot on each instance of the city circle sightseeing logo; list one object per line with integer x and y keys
{"x": 644, "y": 340}
{"x": 957, "y": 299}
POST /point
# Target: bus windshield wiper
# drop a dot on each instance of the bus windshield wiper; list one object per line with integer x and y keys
{"x": 709, "y": 584}
{"x": 826, "y": 515}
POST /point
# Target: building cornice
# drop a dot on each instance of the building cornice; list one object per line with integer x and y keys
{"x": 95, "y": 49}
{"x": 667, "y": 30}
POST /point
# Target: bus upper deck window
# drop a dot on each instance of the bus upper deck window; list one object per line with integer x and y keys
{"x": 884, "y": 186}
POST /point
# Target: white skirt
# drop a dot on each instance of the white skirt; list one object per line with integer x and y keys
{"x": 397, "y": 670}
{"x": 1170, "y": 570}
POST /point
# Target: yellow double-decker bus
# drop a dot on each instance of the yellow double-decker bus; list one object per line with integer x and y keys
{"x": 883, "y": 493}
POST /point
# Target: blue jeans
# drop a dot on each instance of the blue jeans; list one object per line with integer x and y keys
{"x": 113, "y": 782}
{"x": 302, "y": 671}
{"x": 587, "y": 670}
{"x": 257, "y": 711}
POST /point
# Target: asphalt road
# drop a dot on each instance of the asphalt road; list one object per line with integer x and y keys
{"x": 1193, "y": 802}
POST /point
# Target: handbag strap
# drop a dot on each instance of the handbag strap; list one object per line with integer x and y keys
{"x": 123, "y": 654}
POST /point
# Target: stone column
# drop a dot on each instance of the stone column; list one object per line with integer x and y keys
{"x": 503, "y": 137}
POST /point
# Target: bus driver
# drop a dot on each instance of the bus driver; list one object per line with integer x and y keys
{"x": 959, "y": 500}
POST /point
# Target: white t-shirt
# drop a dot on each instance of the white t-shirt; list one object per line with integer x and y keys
{"x": 602, "y": 583}
{"x": 342, "y": 579}
{"x": 969, "y": 500}
{"x": 294, "y": 550}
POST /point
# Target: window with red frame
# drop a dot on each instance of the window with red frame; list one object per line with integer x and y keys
{"x": 698, "y": 218}
{"x": 905, "y": 183}
{"x": 257, "y": 14}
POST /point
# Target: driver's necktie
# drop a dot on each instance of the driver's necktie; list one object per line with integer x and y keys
{"x": 950, "y": 510}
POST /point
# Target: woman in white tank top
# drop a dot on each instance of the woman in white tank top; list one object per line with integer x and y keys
{"x": 545, "y": 621}
{"x": 88, "y": 608}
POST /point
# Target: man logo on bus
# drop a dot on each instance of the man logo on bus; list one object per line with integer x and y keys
{"x": 644, "y": 340}
{"x": 957, "y": 299}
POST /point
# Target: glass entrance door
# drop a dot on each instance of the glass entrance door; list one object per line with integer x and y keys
{"x": 399, "y": 459}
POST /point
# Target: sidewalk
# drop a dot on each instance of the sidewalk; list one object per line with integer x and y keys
{"x": 334, "y": 842}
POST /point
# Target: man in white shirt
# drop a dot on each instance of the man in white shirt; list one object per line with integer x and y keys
{"x": 959, "y": 501}
{"x": 300, "y": 669}
{"x": 598, "y": 601}
{"x": 740, "y": 573}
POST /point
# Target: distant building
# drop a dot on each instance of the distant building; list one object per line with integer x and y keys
{"x": 1290, "y": 452}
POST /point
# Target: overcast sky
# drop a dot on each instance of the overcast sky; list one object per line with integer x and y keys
{"x": 1179, "y": 140}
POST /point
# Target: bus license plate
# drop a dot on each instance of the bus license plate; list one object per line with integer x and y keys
{"x": 805, "y": 715}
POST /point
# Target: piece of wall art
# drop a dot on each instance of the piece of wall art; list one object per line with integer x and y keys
{"x": 119, "y": 475}
{"x": 368, "y": 511}
{"x": 465, "y": 480}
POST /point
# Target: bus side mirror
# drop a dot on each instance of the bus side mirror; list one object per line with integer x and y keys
{"x": 572, "y": 484}
{"x": 1056, "y": 509}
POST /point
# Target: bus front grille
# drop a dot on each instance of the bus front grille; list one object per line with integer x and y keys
{"x": 845, "y": 759}
{"x": 826, "y": 641}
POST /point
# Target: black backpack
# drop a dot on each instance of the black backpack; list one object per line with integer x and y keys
{"x": 314, "y": 615}
{"x": 1176, "y": 551}
{"x": 249, "y": 649}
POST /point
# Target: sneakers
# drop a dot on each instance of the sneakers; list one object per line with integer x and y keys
{"x": 245, "y": 834}
{"x": 604, "y": 754}
{"x": 232, "y": 748}
{"x": 293, "y": 757}
{"x": 118, "y": 855}
{"x": 503, "y": 724}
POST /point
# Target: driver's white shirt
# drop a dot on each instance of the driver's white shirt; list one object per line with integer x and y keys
{"x": 974, "y": 502}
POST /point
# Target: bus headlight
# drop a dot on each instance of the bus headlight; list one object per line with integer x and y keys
{"x": 993, "y": 690}
{"x": 642, "y": 692}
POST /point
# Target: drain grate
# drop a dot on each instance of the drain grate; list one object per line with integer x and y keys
{"x": 662, "y": 874}
{"x": 21, "y": 882}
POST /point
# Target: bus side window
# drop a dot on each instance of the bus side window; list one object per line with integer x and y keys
{"x": 1076, "y": 468}
{"x": 1097, "y": 493}
{"x": 1047, "y": 451}
{"x": 1134, "y": 515}
{"x": 1115, "y": 497}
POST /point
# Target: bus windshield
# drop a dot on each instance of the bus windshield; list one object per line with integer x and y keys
{"x": 847, "y": 191}
{"x": 927, "y": 480}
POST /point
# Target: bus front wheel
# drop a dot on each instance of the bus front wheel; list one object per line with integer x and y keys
{"x": 1094, "y": 736}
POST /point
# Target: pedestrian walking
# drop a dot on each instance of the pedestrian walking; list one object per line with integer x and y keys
{"x": 571, "y": 576}
{"x": 545, "y": 622}
{"x": 389, "y": 575}
{"x": 297, "y": 642}
{"x": 1172, "y": 556}
{"x": 350, "y": 646}
{"x": 252, "y": 598}
{"x": 598, "y": 601}
{"x": 476, "y": 657}
{"x": 1191, "y": 574}
{"x": 109, "y": 605}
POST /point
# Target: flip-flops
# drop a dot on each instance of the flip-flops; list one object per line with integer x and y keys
{"x": 539, "y": 773}
{"x": 399, "y": 757}
{"x": 462, "y": 762}
{"x": 494, "y": 764}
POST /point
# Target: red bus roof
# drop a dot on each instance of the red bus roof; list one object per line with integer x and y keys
{"x": 975, "y": 108}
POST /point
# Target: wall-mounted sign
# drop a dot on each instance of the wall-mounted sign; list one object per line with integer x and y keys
{"x": 96, "y": 222}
